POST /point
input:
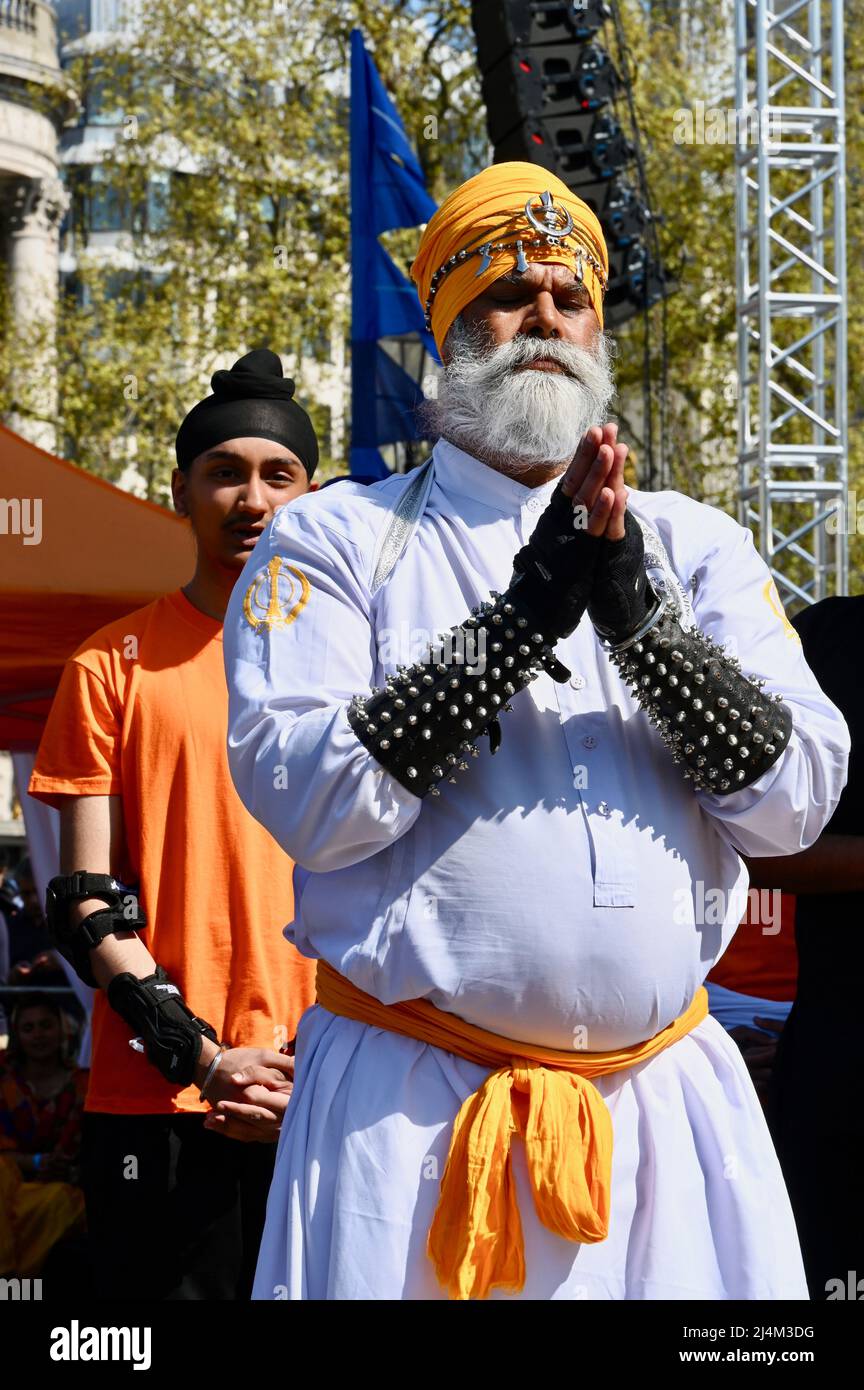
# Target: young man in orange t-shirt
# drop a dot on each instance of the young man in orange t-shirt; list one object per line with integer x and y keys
{"x": 134, "y": 757}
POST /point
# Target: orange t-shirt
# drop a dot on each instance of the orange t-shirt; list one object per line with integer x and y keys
{"x": 757, "y": 962}
{"x": 141, "y": 712}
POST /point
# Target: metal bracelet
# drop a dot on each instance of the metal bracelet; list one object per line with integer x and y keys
{"x": 650, "y": 621}
{"x": 211, "y": 1071}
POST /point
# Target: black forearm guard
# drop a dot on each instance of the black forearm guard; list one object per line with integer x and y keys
{"x": 622, "y": 597}
{"x": 155, "y": 1009}
{"x": 75, "y": 940}
{"x": 715, "y": 719}
{"x": 429, "y": 715}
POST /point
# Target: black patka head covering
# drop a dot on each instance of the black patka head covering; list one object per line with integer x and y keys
{"x": 252, "y": 399}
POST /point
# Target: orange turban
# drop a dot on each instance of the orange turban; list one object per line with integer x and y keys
{"x": 467, "y": 232}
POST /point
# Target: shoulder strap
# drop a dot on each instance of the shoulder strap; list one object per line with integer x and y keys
{"x": 402, "y": 523}
{"x": 663, "y": 576}
{"x": 412, "y": 501}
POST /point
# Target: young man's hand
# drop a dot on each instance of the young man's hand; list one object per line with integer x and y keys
{"x": 248, "y": 1121}
{"x": 250, "y": 1091}
{"x": 241, "y": 1068}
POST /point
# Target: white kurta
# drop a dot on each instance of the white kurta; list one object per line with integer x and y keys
{"x": 551, "y": 896}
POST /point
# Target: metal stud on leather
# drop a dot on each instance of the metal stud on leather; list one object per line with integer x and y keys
{"x": 713, "y": 718}
{"x": 424, "y": 724}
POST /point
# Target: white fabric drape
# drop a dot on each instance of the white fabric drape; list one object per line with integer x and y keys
{"x": 554, "y": 895}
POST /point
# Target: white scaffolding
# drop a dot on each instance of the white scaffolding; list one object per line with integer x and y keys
{"x": 791, "y": 291}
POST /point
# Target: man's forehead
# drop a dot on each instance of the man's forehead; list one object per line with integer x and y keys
{"x": 538, "y": 272}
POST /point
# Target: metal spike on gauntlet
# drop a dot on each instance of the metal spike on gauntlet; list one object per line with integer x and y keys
{"x": 426, "y": 720}
{"x": 712, "y": 717}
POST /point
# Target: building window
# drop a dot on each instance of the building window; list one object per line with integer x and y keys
{"x": 106, "y": 208}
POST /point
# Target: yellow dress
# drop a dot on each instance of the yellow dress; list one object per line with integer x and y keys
{"x": 35, "y": 1215}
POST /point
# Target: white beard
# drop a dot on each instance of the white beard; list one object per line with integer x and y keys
{"x": 519, "y": 420}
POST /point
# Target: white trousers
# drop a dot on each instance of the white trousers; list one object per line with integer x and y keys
{"x": 699, "y": 1208}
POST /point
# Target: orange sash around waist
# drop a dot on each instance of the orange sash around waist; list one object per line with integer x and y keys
{"x": 475, "y": 1240}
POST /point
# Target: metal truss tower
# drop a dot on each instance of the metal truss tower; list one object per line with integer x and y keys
{"x": 791, "y": 292}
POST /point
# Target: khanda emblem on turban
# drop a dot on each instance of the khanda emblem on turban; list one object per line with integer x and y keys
{"x": 276, "y": 596}
{"x": 553, "y": 223}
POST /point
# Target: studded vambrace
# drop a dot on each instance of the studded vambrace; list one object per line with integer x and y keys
{"x": 425, "y": 721}
{"x": 711, "y": 716}
{"x": 421, "y": 726}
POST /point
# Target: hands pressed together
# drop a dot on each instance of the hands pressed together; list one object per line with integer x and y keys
{"x": 595, "y": 480}
{"x": 587, "y": 550}
{"x": 249, "y": 1092}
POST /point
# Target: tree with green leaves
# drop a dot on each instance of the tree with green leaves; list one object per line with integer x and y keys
{"x": 231, "y": 167}
{"x": 230, "y": 173}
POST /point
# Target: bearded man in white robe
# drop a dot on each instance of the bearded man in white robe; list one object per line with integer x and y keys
{"x": 510, "y": 1086}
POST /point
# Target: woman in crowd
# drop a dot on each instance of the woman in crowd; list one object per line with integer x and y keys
{"x": 41, "y": 1099}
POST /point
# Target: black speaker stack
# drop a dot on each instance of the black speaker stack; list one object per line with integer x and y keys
{"x": 550, "y": 86}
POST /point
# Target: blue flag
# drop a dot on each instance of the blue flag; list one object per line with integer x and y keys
{"x": 388, "y": 190}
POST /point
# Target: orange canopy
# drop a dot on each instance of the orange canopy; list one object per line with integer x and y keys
{"x": 87, "y": 553}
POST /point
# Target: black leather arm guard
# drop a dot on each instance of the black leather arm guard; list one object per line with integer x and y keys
{"x": 155, "y": 1009}
{"x": 714, "y": 719}
{"x": 424, "y": 722}
{"x": 75, "y": 940}
{"x": 428, "y": 717}
{"x": 622, "y": 598}
{"x": 710, "y": 715}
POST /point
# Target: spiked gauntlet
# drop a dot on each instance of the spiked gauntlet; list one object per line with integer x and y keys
{"x": 712, "y": 717}
{"x": 425, "y": 721}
